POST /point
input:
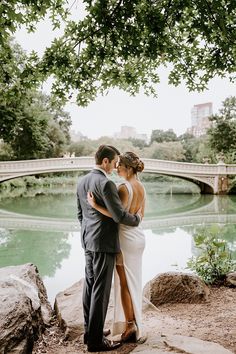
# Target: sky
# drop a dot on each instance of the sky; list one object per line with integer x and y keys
{"x": 105, "y": 116}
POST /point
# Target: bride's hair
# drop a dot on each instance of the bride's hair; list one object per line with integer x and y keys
{"x": 130, "y": 159}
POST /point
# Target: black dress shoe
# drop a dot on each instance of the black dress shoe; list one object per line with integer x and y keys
{"x": 106, "y": 333}
{"x": 105, "y": 346}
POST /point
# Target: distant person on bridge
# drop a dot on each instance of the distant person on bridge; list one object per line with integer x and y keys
{"x": 99, "y": 234}
{"x": 128, "y": 275}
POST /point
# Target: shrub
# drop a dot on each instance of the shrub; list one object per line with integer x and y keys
{"x": 214, "y": 260}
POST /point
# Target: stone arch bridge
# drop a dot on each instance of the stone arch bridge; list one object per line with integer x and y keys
{"x": 212, "y": 178}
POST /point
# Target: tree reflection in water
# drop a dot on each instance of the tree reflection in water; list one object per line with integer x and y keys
{"x": 45, "y": 249}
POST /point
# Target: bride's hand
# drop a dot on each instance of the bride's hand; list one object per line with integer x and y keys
{"x": 91, "y": 199}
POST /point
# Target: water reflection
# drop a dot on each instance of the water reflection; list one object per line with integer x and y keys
{"x": 64, "y": 205}
{"x": 46, "y": 249}
{"x": 44, "y": 231}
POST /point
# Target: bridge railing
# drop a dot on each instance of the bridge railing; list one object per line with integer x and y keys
{"x": 190, "y": 168}
{"x": 38, "y": 165}
{"x": 73, "y": 163}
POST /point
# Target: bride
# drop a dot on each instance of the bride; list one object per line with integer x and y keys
{"x": 128, "y": 273}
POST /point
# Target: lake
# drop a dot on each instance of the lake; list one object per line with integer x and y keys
{"x": 42, "y": 229}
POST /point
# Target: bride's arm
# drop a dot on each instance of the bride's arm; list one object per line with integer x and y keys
{"x": 123, "y": 194}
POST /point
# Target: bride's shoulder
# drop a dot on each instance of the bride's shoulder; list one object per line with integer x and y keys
{"x": 123, "y": 186}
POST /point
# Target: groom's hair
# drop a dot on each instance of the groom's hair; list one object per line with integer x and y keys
{"x": 104, "y": 151}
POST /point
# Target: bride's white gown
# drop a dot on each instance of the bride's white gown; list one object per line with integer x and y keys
{"x": 132, "y": 243}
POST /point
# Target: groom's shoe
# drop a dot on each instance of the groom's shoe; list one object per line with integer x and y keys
{"x": 106, "y": 333}
{"x": 105, "y": 346}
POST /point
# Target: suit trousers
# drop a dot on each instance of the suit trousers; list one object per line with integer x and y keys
{"x": 99, "y": 268}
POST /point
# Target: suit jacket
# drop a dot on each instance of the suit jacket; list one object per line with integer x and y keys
{"x": 99, "y": 233}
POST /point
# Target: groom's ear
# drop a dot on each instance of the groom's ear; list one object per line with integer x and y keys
{"x": 105, "y": 161}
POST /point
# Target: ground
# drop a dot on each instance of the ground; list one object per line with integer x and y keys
{"x": 213, "y": 321}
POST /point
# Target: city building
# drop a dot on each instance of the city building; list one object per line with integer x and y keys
{"x": 77, "y": 136}
{"x": 200, "y": 122}
{"x": 127, "y": 132}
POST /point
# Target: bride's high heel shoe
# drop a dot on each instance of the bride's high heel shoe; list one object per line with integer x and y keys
{"x": 129, "y": 335}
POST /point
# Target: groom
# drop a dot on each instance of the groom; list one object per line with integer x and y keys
{"x": 99, "y": 235}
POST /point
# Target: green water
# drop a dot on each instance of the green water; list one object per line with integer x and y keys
{"x": 57, "y": 252}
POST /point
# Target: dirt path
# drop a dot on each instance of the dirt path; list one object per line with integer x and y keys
{"x": 213, "y": 321}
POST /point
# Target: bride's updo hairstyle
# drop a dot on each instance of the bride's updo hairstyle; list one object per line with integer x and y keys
{"x": 130, "y": 159}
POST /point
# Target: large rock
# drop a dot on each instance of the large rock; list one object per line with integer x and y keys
{"x": 178, "y": 344}
{"x": 231, "y": 279}
{"x": 69, "y": 310}
{"x": 24, "y": 308}
{"x": 174, "y": 287}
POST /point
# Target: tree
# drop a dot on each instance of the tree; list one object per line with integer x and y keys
{"x": 81, "y": 148}
{"x": 16, "y": 13}
{"x": 123, "y": 43}
{"x": 196, "y": 149}
{"x": 222, "y": 135}
{"x": 161, "y": 136}
{"x": 31, "y": 123}
{"x": 139, "y": 143}
{"x": 171, "y": 151}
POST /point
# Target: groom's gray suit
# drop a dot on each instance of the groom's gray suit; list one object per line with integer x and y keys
{"x": 99, "y": 235}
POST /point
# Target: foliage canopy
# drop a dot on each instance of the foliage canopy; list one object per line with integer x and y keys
{"x": 222, "y": 134}
{"x": 123, "y": 43}
{"x": 31, "y": 124}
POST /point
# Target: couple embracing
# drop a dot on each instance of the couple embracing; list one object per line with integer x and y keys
{"x": 112, "y": 239}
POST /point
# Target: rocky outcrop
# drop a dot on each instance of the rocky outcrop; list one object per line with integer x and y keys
{"x": 69, "y": 310}
{"x": 173, "y": 287}
{"x": 164, "y": 344}
{"x": 231, "y": 279}
{"x": 68, "y": 306}
{"x": 24, "y": 308}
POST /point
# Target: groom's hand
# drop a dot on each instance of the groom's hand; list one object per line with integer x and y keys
{"x": 140, "y": 214}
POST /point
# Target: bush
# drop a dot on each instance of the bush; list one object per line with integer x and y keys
{"x": 214, "y": 261}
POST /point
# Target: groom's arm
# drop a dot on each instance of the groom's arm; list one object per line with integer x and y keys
{"x": 113, "y": 204}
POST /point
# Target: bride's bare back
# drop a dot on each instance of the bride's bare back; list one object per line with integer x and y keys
{"x": 138, "y": 201}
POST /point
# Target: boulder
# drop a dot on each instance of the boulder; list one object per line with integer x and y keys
{"x": 231, "y": 279}
{"x": 164, "y": 344}
{"x": 24, "y": 308}
{"x": 176, "y": 287}
{"x": 69, "y": 310}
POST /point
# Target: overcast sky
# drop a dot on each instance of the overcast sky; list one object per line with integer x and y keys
{"x": 105, "y": 116}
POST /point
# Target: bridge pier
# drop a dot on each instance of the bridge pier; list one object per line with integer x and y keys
{"x": 217, "y": 185}
{"x": 222, "y": 184}
{"x": 221, "y": 179}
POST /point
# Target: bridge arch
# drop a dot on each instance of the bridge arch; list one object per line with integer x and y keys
{"x": 205, "y": 185}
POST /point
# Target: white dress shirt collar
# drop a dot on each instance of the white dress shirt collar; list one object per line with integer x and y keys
{"x": 100, "y": 169}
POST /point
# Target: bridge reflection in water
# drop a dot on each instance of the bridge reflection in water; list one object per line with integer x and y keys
{"x": 24, "y": 222}
{"x": 53, "y": 244}
{"x": 220, "y": 210}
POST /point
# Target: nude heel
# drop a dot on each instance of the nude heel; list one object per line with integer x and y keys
{"x": 129, "y": 335}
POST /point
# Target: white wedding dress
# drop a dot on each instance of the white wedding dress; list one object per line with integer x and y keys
{"x": 132, "y": 243}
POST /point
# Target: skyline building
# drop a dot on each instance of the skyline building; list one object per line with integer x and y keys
{"x": 127, "y": 132}
{"x": 200, "y": 122}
